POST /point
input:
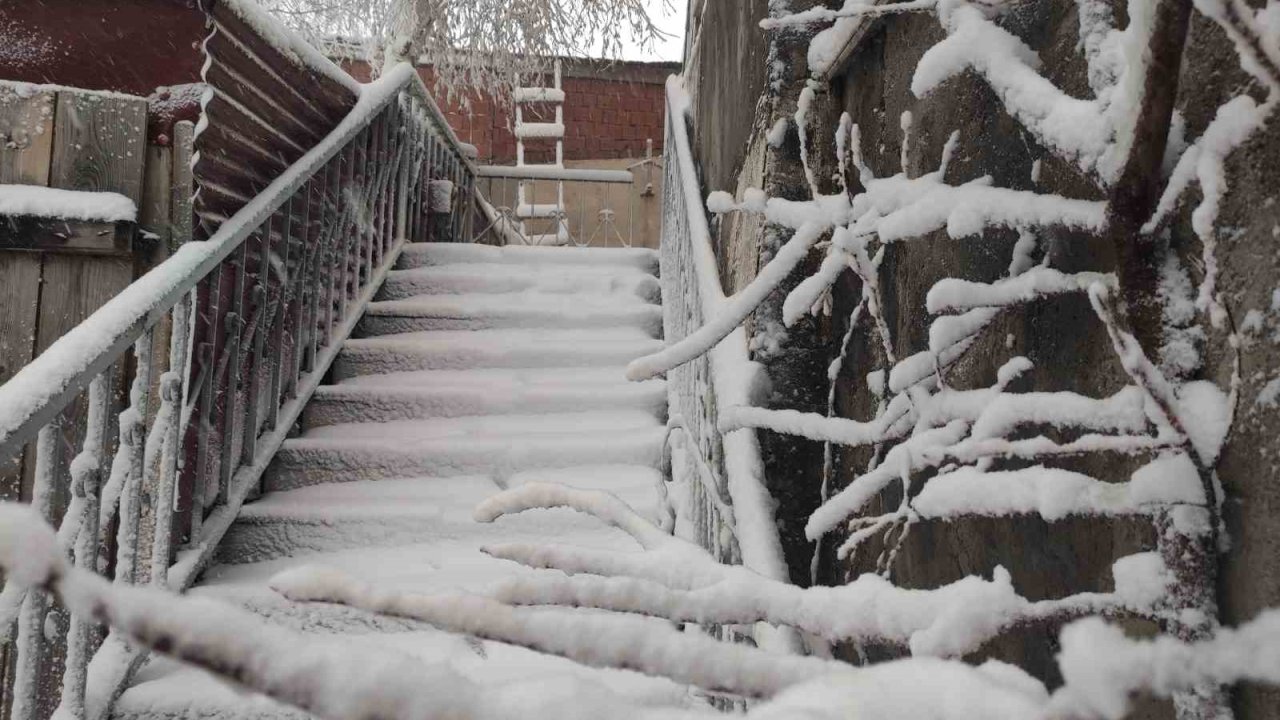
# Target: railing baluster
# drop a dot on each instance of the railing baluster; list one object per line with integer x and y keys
{"x": 202, "y": 426}
{"x": 172, "y": 399}
{"x": 284, "y": 305}
{"x": 456, "y": 178}
{"x": 346, "y": 228}
{"x": 132, "y": 428}
{"x": 386, "y": 168}
{"x": 404, "y": 151}
{"x": 303, "y": 325}
{"x": 369, "y": 205}
{"x": 321, "y": 266}
{"x": 31, "y": 619}
{"x": 86, "y": 474}
{"x": 258, "y": 327}
{"x": 333, "y": 213}
{"x": 235, "y": 324}
{"x": 367, "y": 210}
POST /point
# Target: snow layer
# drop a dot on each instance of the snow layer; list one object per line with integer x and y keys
{"x": 384, "y": 492}
{"x": 48, "y": 202}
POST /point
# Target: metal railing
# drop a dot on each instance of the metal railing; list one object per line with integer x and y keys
{"x": 600, "y": 207}
{"x": 257, "y": 313}
{"x": 728, "y": 506}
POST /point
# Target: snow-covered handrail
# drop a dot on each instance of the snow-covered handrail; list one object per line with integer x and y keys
{"x": 724, "y": 377}
{"x": 225, "y": 341}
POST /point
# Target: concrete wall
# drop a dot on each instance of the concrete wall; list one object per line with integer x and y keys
{"x": 1063, "y": 339}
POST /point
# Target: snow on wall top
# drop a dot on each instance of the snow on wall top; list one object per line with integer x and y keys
{"x": 66, "y": 204}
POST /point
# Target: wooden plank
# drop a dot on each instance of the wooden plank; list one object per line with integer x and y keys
{"x": 154, "y": 211}
{"x": 26, "y": 136}
{"x": 99, "y": 143}
{"x": 182, "y": 184}
{"x": 20, "y": 294}
{"x": 74, "y": 287}
{"x": 65, "y": 236}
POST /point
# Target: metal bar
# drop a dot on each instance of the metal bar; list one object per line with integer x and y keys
{"x": 284, "y": 304}
{"x": 31, "y": 618}
{"x": 231, "y": 396}
{"x": 208, "y": 394}
{"x": 203, "y": 429}
{"x": 348, "y": 229}
{"x": 133, "y": 421}
{"x": 455, "y": 207}
{"x": 261, "y": 296}
{"x": 304, "y": 322}
{"x": 386, "y": 198}
{"x": 369, "y": 206}
{"x": 332, "y": 210}
{"x": 172, "y": 400}
{"x": 400, "y": 223}
{"x": 322, "y": 281}
{"x": 86, "y": 480}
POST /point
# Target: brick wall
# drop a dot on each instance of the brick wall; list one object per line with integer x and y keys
{"x": 610, "y": 112}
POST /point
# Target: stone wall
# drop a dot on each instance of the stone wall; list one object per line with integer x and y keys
{"x": 739, "y": 72}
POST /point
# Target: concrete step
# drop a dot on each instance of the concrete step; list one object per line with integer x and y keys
{"x": 355, "y": 403}
{"x": 511, "y": 310}
{"x": 417, "y": 255}
{"x": 422, "y": 511}
{"x": 462, "y": 350}
{"x": 303, "y": 462}
{"x": 463, "y": 279}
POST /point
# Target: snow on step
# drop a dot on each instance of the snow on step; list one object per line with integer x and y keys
{"x": 461, "y": 349}
{"x": 436, "y": 394}
{"x": 166, "y": 690}
{"x": 311, "y": 461}
{"x": 481, "y": 278}
{"x": 528, "y": 309}
{"x": 325, "y": 518}
{"x": 426, "y": 254}
{"x": 479, "y": 368}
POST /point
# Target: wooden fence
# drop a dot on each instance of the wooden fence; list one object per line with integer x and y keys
{"x": 55, "y": 272}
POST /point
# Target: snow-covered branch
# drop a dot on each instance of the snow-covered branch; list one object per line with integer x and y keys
{"x": 641, "y": 644}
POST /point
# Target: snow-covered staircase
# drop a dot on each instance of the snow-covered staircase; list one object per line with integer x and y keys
{"x": 476, "y": 369}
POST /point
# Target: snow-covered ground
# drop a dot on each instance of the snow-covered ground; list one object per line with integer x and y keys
{"x": 477, "y": 370}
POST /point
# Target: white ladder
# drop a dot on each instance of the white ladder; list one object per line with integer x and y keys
{"x": 526, "y": 209}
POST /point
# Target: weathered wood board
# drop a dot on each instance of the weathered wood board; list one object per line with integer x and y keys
{"x": 26, "y": 135}
{"x": 20, "y": 293}
{"x": 100, "y": 143}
